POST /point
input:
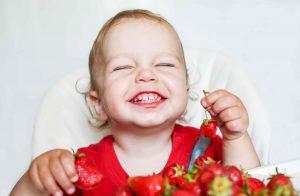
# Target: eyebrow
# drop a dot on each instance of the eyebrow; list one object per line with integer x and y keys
{"x": 169, "y": 55}
{"x": 124, "y": 55}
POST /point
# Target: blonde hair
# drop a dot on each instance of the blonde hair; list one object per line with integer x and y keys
{"x": 96, "y": 54}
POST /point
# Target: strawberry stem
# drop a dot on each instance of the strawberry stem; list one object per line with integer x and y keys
{"x": 205, "y": 94}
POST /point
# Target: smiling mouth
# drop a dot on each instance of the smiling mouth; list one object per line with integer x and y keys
{"x": 147, "y": 99}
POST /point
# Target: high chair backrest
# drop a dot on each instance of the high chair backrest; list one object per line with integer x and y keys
{"x": 65, "y": 117}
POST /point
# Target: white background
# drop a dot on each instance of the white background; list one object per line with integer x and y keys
{"x": 41, "y": 41}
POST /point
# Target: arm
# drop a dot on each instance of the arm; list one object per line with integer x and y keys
{"x": 240, "y": 152}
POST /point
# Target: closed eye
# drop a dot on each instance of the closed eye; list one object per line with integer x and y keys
{"x": 165, "y": 65}
{"x": 122, "y": 67}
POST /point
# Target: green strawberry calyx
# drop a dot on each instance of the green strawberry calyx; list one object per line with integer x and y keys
{"x": 77, "y": 155}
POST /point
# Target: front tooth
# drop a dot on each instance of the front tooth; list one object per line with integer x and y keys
{"x": 145, "y": 98}
{"x": 151, "y": 97}
{"x": 140, "y": 97}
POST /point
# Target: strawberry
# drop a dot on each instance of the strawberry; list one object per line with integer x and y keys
{"x": 216, "y": 168}
{"x": 261, "y": 192}
{"x": 280, "y": 184}
{"x": 124, "y": 191}
{"x": 203, "y": 161}
{"x": 235, "y": 175}
{"x": 209, "y": 128}
{"x": 221, "y": 185}
{"x": 147, "y": 185}
{"x": 181, "y": 181}
{"x": 205, "y": 176}
{"x": 200, "y": 161}
{"x": 88, "y": 175}
{"x": 172, "y": 172}
{"x": 181, "y": 192}
{"x": 193, "y": 188}
{"x": 237, "y": 190}
{"x": 253, "y": 185}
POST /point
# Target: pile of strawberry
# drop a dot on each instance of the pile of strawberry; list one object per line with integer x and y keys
{"x": 211, "y": 178}
{"x": 207, "y": 176}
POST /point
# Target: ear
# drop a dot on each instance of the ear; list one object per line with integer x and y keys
{"x": 96, "y": 102}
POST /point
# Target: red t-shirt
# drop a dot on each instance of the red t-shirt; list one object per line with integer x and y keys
{"x": 104, "y": 157}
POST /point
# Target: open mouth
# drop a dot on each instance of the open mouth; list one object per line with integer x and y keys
{"x": 147, "y": 99}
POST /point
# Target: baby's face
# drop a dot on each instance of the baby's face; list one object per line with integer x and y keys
{"x": 144, "y": 82}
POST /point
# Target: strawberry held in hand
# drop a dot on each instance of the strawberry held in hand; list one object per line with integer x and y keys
{"x": 209, "y": 128}
{"x": 88, "y": 175}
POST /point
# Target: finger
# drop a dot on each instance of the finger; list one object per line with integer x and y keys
{"x": 229, "y": 114}
{"x": 225, "y": 102}
{"x": 34, "y": 177}
{"x": 212, "y": 97}
{"x": 67, "y": 161}
{"x": 211, "y": 111}
{"x": 60, "y": 176}
{"x": 235, "y": 125}
{"x": 48, "y": 180}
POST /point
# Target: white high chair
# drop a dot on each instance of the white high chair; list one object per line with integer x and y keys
{"x": 64, "y": 118}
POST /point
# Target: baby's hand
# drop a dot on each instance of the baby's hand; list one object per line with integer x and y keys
{"x": 229, "y": 111}
{"x": 52, "y": 170}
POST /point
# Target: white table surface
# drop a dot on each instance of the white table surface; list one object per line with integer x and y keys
{"x": 290, "y": 168}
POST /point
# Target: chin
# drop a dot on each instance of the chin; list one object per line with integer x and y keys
{"x": 154, "y": 122}
{"x": 148, "y": 124}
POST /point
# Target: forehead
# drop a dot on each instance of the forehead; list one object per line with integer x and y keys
{"x": 140, "y": 37}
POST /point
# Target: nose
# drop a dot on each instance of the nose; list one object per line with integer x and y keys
{"x": 145, "y": 75}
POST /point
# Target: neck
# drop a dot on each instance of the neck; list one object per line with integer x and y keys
{"x": 142, "y": 142}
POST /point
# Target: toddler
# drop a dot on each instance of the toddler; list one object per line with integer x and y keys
{"x": 139, "y": 86}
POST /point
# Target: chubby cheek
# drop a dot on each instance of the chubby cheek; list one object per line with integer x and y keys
{"x": 181, "y": 101}
{"x": 179, "y": 90}
{"x": 113, "y": 96}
